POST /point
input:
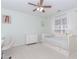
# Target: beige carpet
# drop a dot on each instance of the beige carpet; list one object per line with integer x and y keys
{"x": 36, "y": 51}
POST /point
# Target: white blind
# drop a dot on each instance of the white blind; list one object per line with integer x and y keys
{"x": 61, "y": 24}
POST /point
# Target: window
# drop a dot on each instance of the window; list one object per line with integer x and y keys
{"x": 61, "y": 24}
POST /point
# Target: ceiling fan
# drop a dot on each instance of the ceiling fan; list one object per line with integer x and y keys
{"x": 40, "y": 6}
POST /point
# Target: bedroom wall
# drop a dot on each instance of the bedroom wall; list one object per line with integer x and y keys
{"x": 47, "y": 25}
{"x": 21, "y": 24}
{"x": 71, "y": 20}
{"x": 72, "y": 27}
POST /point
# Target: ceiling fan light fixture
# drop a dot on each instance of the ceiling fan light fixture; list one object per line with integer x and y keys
{"x": 41, "y": 9}
{"x": 40, "y": 6}
{"x": 38, "y": 9}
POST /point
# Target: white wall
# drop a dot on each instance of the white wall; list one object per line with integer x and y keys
{"x": 71, "y": 19}
{"x": 47, "y": 26}
{"x": 72, "y": 27}
{"x": 21, "y": 24}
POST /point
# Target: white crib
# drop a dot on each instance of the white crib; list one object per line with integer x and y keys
{"x": 63, "y": 41}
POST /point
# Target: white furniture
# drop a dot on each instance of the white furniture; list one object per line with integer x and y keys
{"x": 55, "y": 40}
{"x": 67, "y": 41}
{"x": 31, "y": 38}
{"x": 72, "y": 43}
{"x": 2, "y": 42}
{"x": 7, "y": 43}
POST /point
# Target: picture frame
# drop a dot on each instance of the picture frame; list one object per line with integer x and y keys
{"x": 6, "y": 19}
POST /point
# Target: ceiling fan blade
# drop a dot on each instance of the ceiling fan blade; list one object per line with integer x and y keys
{"x": 32, "y": 4}
{"x": 34, "y": 10}
{"x": 47, "y": 6}
{"x": 41, "y": 2}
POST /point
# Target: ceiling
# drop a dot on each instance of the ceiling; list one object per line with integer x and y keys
{"x": 22, "y": 6}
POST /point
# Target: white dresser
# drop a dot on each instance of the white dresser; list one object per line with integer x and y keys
{"x": 31, "y": 38}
